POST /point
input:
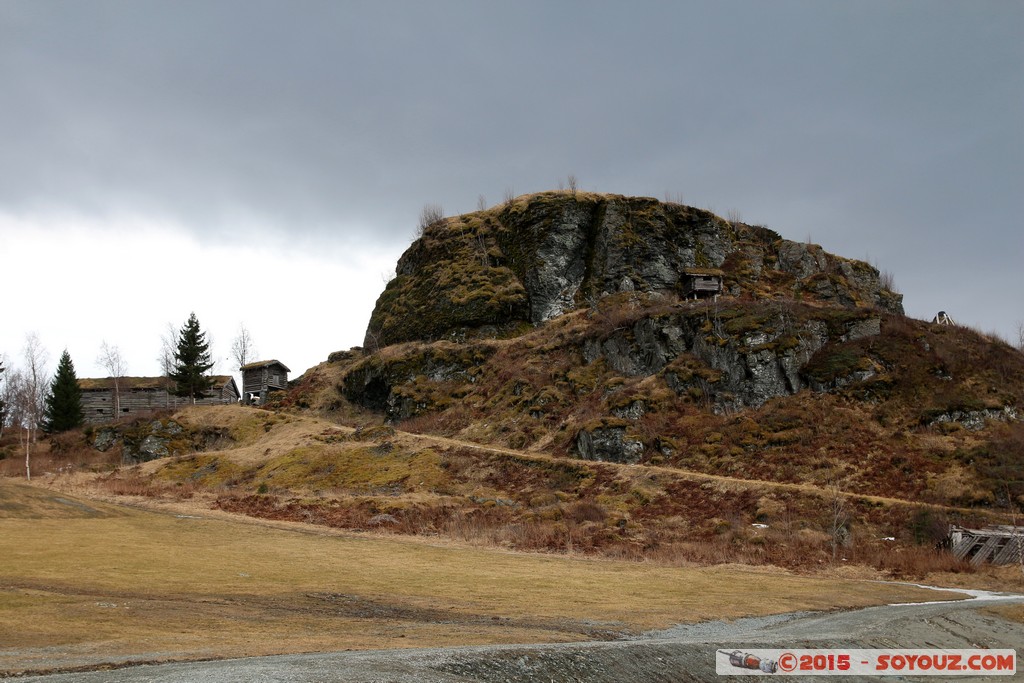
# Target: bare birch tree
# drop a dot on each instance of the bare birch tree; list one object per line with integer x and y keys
{"x": 113, "y": 362}
{"x": 218, "y": 362}
{"x": 168, "y": 347}
{"x": 242, "y": 348}
{"x": 839, "y": 518}
{"x": 33, "y": 394}
{"x": 3, "y": 396}
{"x": 14, "y": 404}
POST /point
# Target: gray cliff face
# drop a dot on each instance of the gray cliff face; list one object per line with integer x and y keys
{"x": 589, "y": 249}
{"x": 609, "y": 444}
{"x": 802, "y": 260}
{"x": 560, "y": 263}
{"x": 543, "y": 255}
{"x": 750, "y": 366}
{"x": 728, "y": 365}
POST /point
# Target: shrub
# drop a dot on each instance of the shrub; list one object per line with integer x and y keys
{"x": 586, "y": 511}
{"x": 430, "y": 214}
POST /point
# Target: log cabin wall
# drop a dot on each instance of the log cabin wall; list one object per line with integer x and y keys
{"x": 98, "y": 402}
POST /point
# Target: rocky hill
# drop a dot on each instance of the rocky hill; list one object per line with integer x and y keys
{"x": 557, "y": 322}
{"x": 540, "y": 376}
{"x": 539, "y": 256}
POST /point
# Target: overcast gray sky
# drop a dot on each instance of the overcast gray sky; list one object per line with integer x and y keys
{"x": 265, "y": 162}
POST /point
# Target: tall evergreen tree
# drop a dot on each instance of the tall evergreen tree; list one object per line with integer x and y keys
{"x": 64, "y": 400}
{"x": 192, "y": 360}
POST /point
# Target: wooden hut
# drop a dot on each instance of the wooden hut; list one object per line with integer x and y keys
{"x": 996, "y": 544}
{"x": 702, "y": 282}
{"x": 262, "y": 377}
{"x": 142, "y": 394}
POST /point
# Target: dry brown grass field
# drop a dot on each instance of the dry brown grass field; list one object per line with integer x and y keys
{"x": 85, "y": 583}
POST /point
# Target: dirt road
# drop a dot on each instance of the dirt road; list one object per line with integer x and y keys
{"x": 684, "y": 653}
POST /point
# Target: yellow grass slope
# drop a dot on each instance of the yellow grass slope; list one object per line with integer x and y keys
{"x": 129, "y": 585}
{"x": 24, "y": 502}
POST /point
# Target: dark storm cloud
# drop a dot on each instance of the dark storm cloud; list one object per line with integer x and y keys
{"x": 877, "y": 128}
{"x": 308, "y": 114}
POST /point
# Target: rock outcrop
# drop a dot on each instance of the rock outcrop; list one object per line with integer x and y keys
{"x": 539, "y": 256}
{"x": 143, "y": 440}
{"x": 749, "y": 355}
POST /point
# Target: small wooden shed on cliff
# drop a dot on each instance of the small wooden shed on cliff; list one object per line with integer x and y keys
{"x": 702, "y": 282}
{"x": 262, "y": 377}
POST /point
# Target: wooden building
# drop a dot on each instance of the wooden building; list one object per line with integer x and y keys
{"x": 702, "y": 282}
{"x": 262, "y": 377}
{"x": 996, "y": 544}
{"x": 143, "y": 394}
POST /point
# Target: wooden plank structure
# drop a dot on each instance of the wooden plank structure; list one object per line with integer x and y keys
{"x": 262, "y": 377}
{"x": 998, "y": 545}
{"x": 144, "y": 394}
{"x": 702, "y": 282}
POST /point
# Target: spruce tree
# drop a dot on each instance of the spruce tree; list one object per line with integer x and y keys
{"x": 64, "y": 400}
{"x": 192, "y": 360}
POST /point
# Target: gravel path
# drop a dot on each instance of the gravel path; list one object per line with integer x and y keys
{"x": 684, "y": 653}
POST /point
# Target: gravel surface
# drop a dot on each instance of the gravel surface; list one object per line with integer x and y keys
{"x": 683, "y": 653}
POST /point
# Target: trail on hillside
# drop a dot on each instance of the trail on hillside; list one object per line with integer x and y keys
{"x": 259, "y": 450}
{"x": 671, "y": 471}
